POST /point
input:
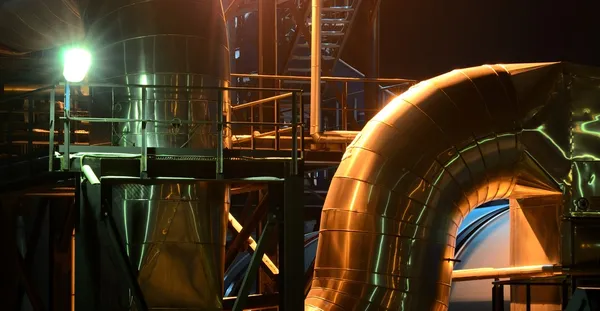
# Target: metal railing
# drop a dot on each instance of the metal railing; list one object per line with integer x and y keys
{"x": 79, "y": 105}
{"x": 344, "y": 100}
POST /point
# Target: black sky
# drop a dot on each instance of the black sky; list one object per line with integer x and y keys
{"x": 423, "y": 38}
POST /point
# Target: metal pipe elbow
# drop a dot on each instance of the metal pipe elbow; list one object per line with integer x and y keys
{"x": 404, "y": 185}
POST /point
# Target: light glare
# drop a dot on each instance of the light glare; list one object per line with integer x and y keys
{"x": 77, "y": 62}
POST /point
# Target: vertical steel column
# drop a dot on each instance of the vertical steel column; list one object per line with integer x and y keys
{"x": 372, "y": 89}
{"x": 528, "y": 297}
{"x": 497, "y": 297}
{"x": 291, "y": 252}
{"x": 267, "y": 54}
{"x": 564, "y": 294}
{"x": 8, "y": 260}
{"x": 87, "y": 248}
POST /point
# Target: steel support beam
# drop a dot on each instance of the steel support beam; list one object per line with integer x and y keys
{"x": 372, "y": 100}
{"x": 267, "y": 56}
{"x": 99, "y": 248}
{"x": 87, "y": 248}
{"x": 249, "y": 226}
{"x": 291, "y": 251}
{"x": 250, "y": 276}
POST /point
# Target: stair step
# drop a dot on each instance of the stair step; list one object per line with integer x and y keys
{"x": 302, "y": 82}
{"x": 332, "y": 33}
{"x": 324, "y": 44}
{"x": 307, "y": 57}
{"x": 299, "y": 69}
{"x": 337, "y": 9}
{"x": 332, "y": 21}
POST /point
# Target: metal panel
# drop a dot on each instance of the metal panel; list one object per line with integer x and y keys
{"x": 585, "y": 192}
{"x": 535, "y": 239}
{"x": 174, "y": 238}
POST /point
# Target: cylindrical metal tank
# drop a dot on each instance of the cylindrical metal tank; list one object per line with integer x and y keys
{"x": 175, "y": 233}
{"x": 33, "y": 25}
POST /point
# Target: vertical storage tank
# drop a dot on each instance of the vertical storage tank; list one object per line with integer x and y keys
{"x": 175, "y": 233}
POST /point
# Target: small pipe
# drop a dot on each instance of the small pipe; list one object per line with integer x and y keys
{"x": 316, "y": 131}
{"x": 498, "y": 273}
{"x": 262, "y": 101}
{"x": 269, "y": 133}
{"x": 31, "y": 88}
{"x": 90, "y": 175}
{"x": 315, "y": 67}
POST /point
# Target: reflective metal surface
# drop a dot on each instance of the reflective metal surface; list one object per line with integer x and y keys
{"x": 489, "y": 246}
{"x": 178, "y": 43}
{"x": 418, "y": 167}
{"x": 33, "y": 25}
{"x": 535, "y": 239}
{"x": 175, "y": 234}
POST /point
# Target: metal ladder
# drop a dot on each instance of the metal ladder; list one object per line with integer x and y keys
{"x": 336, "y": 21}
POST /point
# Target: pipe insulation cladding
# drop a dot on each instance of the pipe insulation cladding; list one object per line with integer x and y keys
{"x": 449, "y": 144}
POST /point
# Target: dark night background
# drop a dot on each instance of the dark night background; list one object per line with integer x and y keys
{"x": 423, "y": 38}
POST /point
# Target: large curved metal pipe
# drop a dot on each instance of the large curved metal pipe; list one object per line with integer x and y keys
{"x": 404, "y": 185}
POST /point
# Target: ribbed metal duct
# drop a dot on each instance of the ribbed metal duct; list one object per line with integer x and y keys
{"x": 33, "y": 25}
{"x": 406, "y": 182}
{"x": 175, "y": 233}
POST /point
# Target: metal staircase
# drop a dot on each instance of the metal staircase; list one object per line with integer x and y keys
{"x": 337, "y": 19}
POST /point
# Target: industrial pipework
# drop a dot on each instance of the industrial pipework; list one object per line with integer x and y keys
{"x": 316, "y": 130}
{"x": 449, "y": 144}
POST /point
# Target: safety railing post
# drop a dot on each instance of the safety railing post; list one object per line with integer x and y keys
{"x": 294, "y": 166}
{"x": 112, "y": 115}
{"x": 302, "y": 125}
{"x": 30, "y": 105}
{"x": 51, "y": 126}
{"x": 252, "y": 128}
{"x": 144, "y": 144}
{"x": 66, "y": 162}
{"x": 221, "y": 136}
{"x": 345, "y": 106}
{"x": 276, "y": 118}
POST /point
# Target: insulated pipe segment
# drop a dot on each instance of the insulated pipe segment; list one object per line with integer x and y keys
{"x": 404, "y": 185}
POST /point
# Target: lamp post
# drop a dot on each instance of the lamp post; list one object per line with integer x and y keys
{"x": 76, "y": 63}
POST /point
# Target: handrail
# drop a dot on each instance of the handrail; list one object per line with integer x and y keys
{"x": 327, "y": 78}
{"x": 262, "y": 101}
{"x": 221, "y": 99}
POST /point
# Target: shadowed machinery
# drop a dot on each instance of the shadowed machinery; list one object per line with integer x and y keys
{"x": 179, "y": 191}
